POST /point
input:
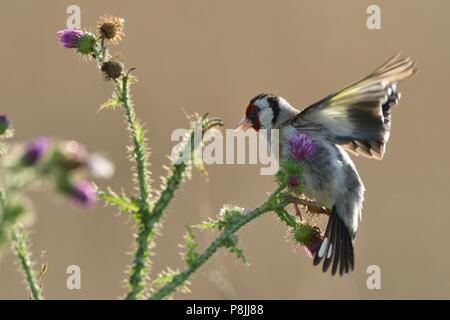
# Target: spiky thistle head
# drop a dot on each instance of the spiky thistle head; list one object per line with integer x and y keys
{"x": 291, "y": 173}
{"x": 111, "y": 69}
{"x": 83, "y": 41}
{"x": 111, "y": 28}
{"x": 308, "y": 236}
{"x": 86, "y": 43}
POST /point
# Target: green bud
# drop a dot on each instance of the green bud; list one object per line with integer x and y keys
{"x": 86, "y": 43}
{"x": 304, "y": 233}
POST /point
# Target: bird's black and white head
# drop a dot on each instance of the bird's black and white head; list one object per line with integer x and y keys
{"x": 266, "y": 111}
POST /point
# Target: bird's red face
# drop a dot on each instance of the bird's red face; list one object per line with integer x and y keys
{"x": 251, "y": 118}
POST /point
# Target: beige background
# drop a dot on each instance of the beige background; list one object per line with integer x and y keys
{"x": 214, "y": 56}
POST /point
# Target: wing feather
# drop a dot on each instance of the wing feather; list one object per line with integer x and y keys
{"x": 359, "y": 116}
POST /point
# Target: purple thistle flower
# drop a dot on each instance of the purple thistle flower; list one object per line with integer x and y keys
{"x": 35, "y": 150}
{"x": 4, "y": 123}
{"x": 83, "y": 193}
{"x": 302, "y": 146}
{"x": 293, "y": 181}
{"x": 69, "y": 37}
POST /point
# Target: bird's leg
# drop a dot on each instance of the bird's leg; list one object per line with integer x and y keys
{"x": 297, "y": 211}
{"x": 312, "y": 206}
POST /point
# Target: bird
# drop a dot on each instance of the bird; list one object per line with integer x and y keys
{"x": 354, "y": 120}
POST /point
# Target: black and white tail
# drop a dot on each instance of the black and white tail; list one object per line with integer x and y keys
{"x": 336, "y": 249}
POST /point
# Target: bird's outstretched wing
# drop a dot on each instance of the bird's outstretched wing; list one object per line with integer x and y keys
{"x": 359, "y": 116}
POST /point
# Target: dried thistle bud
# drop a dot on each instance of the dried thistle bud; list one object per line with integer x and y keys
{"x": 111, "y": 28}
{"x": 111, "y": 69}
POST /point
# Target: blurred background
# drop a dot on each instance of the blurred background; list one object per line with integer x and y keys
{"x": 214, "y": 56}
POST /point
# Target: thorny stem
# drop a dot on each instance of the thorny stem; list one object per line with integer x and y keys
{"x": 13, "y": 187}
{"x": 150, "y": 218}
{"x": 269, "y": 205}
{"x": 21, "y": 249}
{"x": 138, "y": 144}
{"x": 167, "y": 194}
{"x": 172, "y": 184}
{"x": 144, "y": 237}
{"x": 150, "y": 213}
{"x": 147, "y": 216}
{"x": 20, "y": 246}
{"x": 145, "y": 233}
{"x": 176, "y": 177}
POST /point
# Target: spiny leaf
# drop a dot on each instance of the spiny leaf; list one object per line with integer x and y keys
{"x": 124, "y": 203}
{"x": 112, "y": 103}
{"x": 287, "y": 218}
{"x": 239, "y": 253}
{"x": 191, "y": 247}
{"x": 210, "y": 224}
{"x": 231, "y": 245}
{"x": 164, "y": 278}
{"x": 139, "y": 133}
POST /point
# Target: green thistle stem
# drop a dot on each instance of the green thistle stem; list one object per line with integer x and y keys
{"x": 271, "y": 204}
{"x": 175, "y": 178}
{"x": 139, "y": 146}
{"x": 138, "y": 270}
{"x": 18, "y": 239}
{"x": 21, "y": 249}
{"x": 143, "y": 239}
{"x": 147, "y": 217}
{"x": 286, "y": 217}
{"x": 147, "y": 213}
{"x": 146, "y": 233}
{"x": 167, "y": 194}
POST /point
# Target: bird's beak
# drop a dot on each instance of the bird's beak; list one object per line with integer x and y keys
{"x": 244, "y": 124}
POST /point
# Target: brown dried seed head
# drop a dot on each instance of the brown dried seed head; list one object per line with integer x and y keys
{"x": 112, "y": 69}
{"x": 111, "y": 28}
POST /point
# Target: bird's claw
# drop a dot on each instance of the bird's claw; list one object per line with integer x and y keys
{"x": 312, "y": 206}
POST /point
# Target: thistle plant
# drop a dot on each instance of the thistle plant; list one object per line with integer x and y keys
{"x": 42, "y": 162}
{"x": 148, "y": 205}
